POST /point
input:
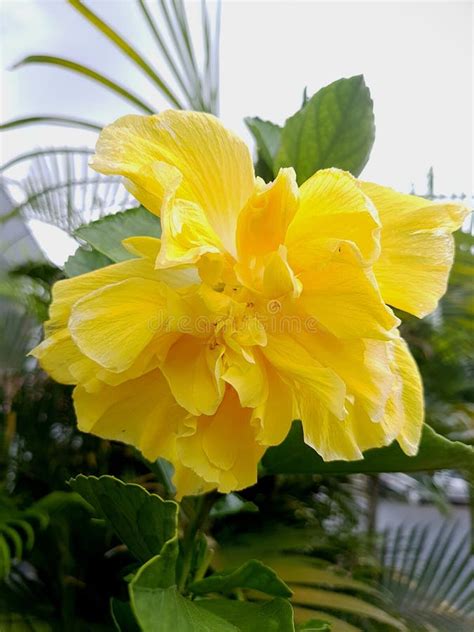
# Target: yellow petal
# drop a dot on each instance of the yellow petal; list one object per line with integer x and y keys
{"x": 417, "y": 248}
{"x": 188, "y": 483}
{"x": 147, "y": 247}
{"x": 57, "y": 354}
{"x": 278, "y": 277}
{"x": 263, "y": 222}
{"x": 344, "y": 299}
{"x": 215, "y": 165}
{"x": 68, "y": 291}
{"x": 248, "y": 378}
{"x": 295, "y": 364}
{"x": 410, "y": 398}
{"x": 114, "y": 324}
{"x": 186, "y": 234}
{"x": 332, "y": 206}
{"x": 193, "y": 369}
{"x": 223, "y": 449}
{"x": 364, "y": 366}
{"x": 274, "y": 416}
{"x": 140, "y": 412}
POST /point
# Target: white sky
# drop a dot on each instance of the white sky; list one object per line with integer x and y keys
{"x": 417, "y": 59}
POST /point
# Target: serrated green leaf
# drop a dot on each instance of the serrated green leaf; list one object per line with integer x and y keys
{"x": 143, "y": 521}
{"x": 268, "y": 138}
{"x": 85, "y": 260}
{"x": 293, "y": 456}
{"x": 253, "y": 574}
{"x": 158, "y": 605}
{"x": 272, "y": 616}
{"x": 106, "y": 234}
{"x": 335, "y": 128}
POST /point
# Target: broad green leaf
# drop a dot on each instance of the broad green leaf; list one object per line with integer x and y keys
{"x": 314, "y": 625}
{"x": 268, "y": 137}
{"x": 293, "y": 456}
{"x": 269, "y": 616}
{"x": 335, "y": 128}
{"x": 143, "y": 521}
{"x": 158, "y": 605}
{"x": 253, "y": 574}
{"x": 84, "y": 260}
{"x": 105, "y": 235}
{"x": 122, "y": 616}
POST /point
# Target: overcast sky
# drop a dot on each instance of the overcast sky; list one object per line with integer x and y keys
{"x": 416, "y": 57}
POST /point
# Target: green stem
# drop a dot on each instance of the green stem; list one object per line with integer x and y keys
{"x": 194, "y": 527}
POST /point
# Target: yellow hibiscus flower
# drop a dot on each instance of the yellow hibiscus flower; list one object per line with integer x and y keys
{"x": 261, "y": 303}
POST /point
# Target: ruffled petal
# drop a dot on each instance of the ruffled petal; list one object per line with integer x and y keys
{"x": 264, "y": 220}
{"x": 193, "y": 369}
{"x": 140, "y": 412}
{"x": 332, "y": 206}
{"x": 408, "y": 399}
{"x": 113, "y": 325}
{"x": 273, "y": 417}
{"x": 417, "y": 248}
{"x": 222, "y": 449}
{"x": 306, "y": 375}
{"x": 344, "y": 299}
{"x": 215, "y": 165}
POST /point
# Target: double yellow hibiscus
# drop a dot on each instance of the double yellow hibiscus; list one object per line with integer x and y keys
{"x": 260, "y": 304}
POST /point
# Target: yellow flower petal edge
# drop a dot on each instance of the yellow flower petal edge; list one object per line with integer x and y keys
{"x": 261, "y": 303}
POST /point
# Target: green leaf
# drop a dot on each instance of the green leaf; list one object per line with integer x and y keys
{"x": 272, "y": 616}
{"x": 268, "y": 138}
{"x": 85, "y": 260}
{"x": 335, "y": 128}
{"x": 106, "y": 234}
{"x": 158, "y": 605}
{"x": 293, "y": 456}
{"x": 314, "y": 625}
{"x": 253, "y": 574}
{"x": 122, "y": 616}
{"x": 143, "y": 521}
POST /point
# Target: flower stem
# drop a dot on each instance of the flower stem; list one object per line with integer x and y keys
{"x": 203, "y": 505}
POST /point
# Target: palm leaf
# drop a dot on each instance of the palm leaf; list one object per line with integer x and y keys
{"x": 62, "y": 190}
{"x": 51, "y": 120}
{"x": 199, "y": 85}
{"x": 430, "y": 583}
{"x": 89, "y": 73}
{"x": 127, "y": 49}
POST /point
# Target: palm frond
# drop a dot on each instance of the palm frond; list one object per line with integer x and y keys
{"x": 429, "y": 580}
{"x": 197, "y": 80}
{"x": 127, "y": 49}
{"x": 47, "y": 119}
{"x": 62, "y": 190}
{"x": 89, "y": 73}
